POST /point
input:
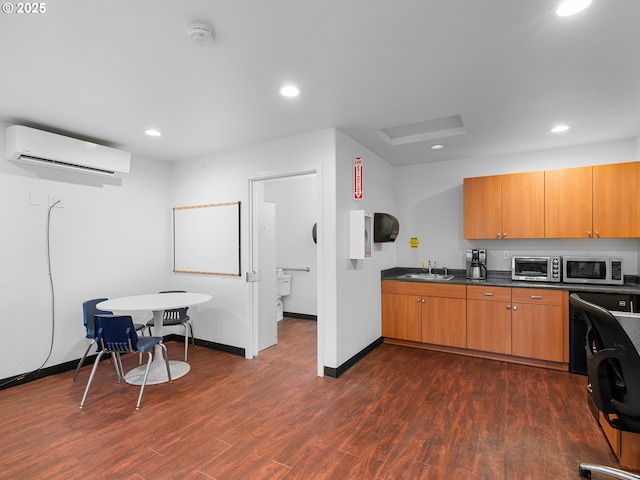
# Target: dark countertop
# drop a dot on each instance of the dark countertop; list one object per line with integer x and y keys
{"x": 499, "y": 278}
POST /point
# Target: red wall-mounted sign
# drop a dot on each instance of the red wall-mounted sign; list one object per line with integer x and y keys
{"x": 357, "y": 178}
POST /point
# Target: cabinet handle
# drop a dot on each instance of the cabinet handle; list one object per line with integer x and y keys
{"x": 515, "y": 307}
{"x": 589, "y": 234}
{"x": 597, "y": 234}
{"x": 508, "y": 307}
{"x": 488, "y": 294}
{"x": 418, "y": 300}
{"x": 536, "y": 297}
{"x": 504, "y": 235}
{"x": 499, "y": 235}
{"x": 423, "y": 300}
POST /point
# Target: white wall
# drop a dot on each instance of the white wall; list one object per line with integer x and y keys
{"x": 225, "y": 176}
{"x": 358, "y": 281}
{"x": 109, "y": 240}
{"x": 296, "y": 199}
{"x": 349, "y": 300}
{"x": 112, "y": 238}
{"x": 430, "y": 203}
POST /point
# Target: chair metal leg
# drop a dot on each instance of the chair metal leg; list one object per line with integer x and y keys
{"x": 188, "y": 332}
{"x": 165, "y": 354}
{"x": 186, "y": 340}
{"x": 84, "y": 357}
{"x": 144, "y": 381}
{"x": 93, "y": 372}
{"x": 117, "y": 361}
{"x": 586, "y": 469}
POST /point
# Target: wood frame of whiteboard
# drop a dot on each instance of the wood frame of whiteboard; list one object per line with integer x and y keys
{"x": 206, "y": 239}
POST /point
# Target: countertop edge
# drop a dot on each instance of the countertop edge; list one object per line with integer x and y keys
{"x": 497, "y": 278}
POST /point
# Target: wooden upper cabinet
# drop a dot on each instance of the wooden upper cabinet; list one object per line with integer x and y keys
{"x": 568, "y": 203}
{"x": 504, "y": 206}
{"x": 482, "y": 207}
{"x": 584, "y": 202}
{"x": 523, "y": 205}
{"x": 616, "y": 209}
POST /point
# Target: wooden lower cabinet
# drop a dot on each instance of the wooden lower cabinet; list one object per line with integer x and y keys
{"x": 444, "y": 320}
{"x": 524, "y": 325}
{"x": 401, "y": 316}
{"x": 489, "y": 319}
{"x": 537, "y": 324}
{"x": 625, "y": 445}
{"x": 424, "y": 312}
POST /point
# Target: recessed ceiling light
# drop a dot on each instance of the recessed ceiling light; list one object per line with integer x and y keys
{"x": 437, "y": 146}
{"x": 290, "y": 91}
{"x": 152, "y": 132}
{"x": 571, "y": 7}
{"x": 560, "y": 128}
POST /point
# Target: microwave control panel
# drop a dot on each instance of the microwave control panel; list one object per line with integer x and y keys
{"x": 616, "y": 270}
{"x": 555, "y": 269}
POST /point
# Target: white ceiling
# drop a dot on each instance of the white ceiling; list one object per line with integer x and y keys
{"x": 107, "y": 70}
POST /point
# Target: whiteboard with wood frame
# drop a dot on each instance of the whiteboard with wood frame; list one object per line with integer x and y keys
{"x": 206, "y": 239}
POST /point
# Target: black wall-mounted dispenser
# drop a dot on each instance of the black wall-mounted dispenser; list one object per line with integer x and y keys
{"x": 385, "y": 228}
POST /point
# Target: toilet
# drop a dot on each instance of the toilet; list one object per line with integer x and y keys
{"x": 283, "y": 288}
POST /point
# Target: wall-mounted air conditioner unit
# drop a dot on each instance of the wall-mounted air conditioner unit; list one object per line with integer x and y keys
{"x": 28, "y": 145}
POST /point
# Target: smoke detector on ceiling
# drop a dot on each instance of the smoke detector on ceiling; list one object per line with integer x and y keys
{"x": 200, "y": 34}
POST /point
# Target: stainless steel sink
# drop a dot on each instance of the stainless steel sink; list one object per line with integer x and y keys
{"x": 427, "y": 276}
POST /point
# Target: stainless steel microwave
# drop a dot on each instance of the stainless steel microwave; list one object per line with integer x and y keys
{"x": 536, "y": 269}
{"x": 599, "y": 270}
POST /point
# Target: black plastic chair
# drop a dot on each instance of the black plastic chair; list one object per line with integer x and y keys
{"x": 177, "y": 316}
{"x": 115, "y": 334}
{"x": 613, "y": 369}
{"x": 89, "y": 310}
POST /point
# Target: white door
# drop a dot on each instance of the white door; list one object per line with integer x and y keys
{"x": 267, "y": 322}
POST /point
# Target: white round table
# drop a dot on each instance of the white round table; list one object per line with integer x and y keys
{"x": 157, "y": 303}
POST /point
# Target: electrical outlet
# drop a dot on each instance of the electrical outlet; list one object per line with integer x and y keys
{"x": 57, "y": 200}
{"x": 35, "y": 199}
{"x": 505, "y": 255}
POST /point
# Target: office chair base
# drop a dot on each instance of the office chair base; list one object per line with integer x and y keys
{"x": 586, "y": 469}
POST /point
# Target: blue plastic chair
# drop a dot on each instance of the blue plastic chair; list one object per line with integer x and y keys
{"x": 116, "y": 334}
{"x": 177, "y": 316}
{"x": 89, "y": 310}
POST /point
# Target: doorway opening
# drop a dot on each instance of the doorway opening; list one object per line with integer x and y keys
{"x": 284, "y": 209}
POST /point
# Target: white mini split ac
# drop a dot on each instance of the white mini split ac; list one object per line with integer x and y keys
{"x": 28, "y": 145}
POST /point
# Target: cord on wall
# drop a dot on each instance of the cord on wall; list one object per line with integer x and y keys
{"x": 53, "y": 311}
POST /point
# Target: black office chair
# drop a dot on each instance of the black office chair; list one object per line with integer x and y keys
{"x": 177, "y": 316}
{"x": 613, "y": 369}
{"x": 89, "y": 311}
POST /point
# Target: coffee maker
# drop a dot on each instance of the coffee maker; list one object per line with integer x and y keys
{"x": 477, "y": 264}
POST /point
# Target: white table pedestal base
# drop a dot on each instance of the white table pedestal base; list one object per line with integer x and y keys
{"x": 157, "y": 372}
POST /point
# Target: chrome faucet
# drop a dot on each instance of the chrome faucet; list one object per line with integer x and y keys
{"x": 429, "y": 267}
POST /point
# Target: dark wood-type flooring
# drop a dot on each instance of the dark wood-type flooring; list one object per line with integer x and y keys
{"x": 399, "y": 413}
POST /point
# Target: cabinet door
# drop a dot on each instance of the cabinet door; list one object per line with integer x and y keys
{"x": 568, "y": 203}
{"x": 401, "y": 316}
{"x": 523, "y": 205}
{"x": 616, "y": 209}
{"x": 482, "y": 210}
{"x": 536, "y": 331}
{"x": 489, "y": 326}
{"x": 444, "y": 321}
